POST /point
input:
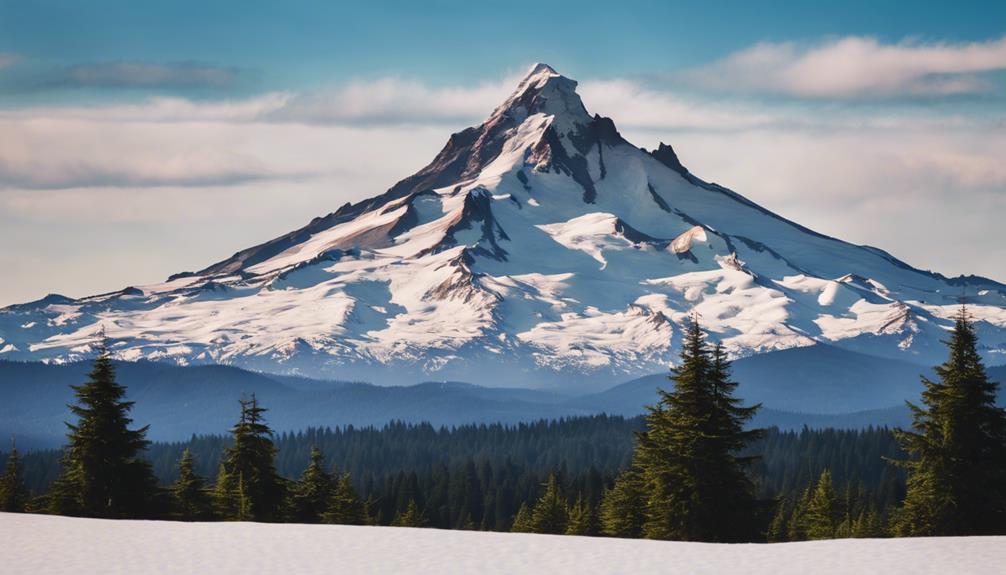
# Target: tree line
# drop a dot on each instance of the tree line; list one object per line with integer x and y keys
{"x": 693, "y": 470}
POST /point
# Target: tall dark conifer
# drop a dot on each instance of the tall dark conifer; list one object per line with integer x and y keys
{"x": 191, "y": 501}
{"x": 248, "y": 485}
{"x": 957, "y": 474}
{"x": 622, "y": 506}
{"x": 104, "y": 474}
{"x": 693, "y": 480}
{"x": 344, "y": 505}
{"x": 550, "y": 513}
{"x": 310, "y": 495}
{"x": 13, "y": 495}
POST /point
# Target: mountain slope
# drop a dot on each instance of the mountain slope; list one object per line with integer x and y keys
{"x": 538, "y": 249}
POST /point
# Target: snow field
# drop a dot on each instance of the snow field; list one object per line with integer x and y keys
{"x": 38, "y": 544}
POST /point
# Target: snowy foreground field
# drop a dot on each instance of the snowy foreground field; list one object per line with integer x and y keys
{"x": 51, "y": 545}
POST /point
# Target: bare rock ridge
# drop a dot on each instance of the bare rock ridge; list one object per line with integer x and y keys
{"x": 539, "y": 248}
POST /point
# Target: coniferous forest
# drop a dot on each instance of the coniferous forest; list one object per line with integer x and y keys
{"x": 690, "y": 469}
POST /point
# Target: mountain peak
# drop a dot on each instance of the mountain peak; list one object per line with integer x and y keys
{"x": 541, "y": 69}
{"x": 543, "y": 91}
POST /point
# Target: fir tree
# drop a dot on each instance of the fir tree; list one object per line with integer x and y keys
{"x": 411, "y": 517}
{"x": 581, "y": 518}
{"x": 868, "y": 524}
{"x": 550, "y": 514}
{"x": 225, "y": 495}
{"x": 621, "y": 511}
{"x": 695, "y": 482}
{"x": 190, "y": 498}
{"x": 311, "y": 494}
{"x": 344, "y": 505}
{"x": 822, "y": 513}
{"x": 248, "y": 478}
{"x": 957, "y": 474}
{"x": 13, "y": 495}
{"x": 104, "y": 474}
{"x": 777, "y": 530}
{"x": 522, "y": 521}
{"x": 796, "y": 526}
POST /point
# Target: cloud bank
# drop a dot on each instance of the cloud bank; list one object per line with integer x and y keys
{"x": 855, "y": 66}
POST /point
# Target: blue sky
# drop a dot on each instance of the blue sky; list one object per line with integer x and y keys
{"x": 140, "y": 139}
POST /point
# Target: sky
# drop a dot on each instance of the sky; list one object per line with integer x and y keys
{"x": 139, "y": 140}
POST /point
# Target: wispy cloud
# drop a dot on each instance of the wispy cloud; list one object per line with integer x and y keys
{"x": 394, "y": 100}
{"x": 855, "y": 66}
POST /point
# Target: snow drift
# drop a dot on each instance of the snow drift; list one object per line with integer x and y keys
{"x": 57, "y": 545}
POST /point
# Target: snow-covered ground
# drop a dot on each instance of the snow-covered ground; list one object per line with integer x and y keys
{"x": 37, "y": 544}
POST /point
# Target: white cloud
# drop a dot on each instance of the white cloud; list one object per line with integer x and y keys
{"x": 394, "y": 101}
{"x": 856, "y": 66}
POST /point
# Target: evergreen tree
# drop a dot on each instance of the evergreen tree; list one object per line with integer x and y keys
{"x": 344, "y": 505}
{"x": 957, "y": 474}
{"x": 225, "y": 496}
{"x": 695, "y": 482}
{"x": 190, "y": 498}
{"x": 868, "y": 524}
{"x": 13, "y": 495}
{"x": 550, "y": 514}
{"x": 311, "y": 494}
{"x": 243, "y": 502}
{"x": 581, "y": 518}
{"x": 411, "y": 517}
{"x": 777, "y": 530}
{"x": 248, "y": 478}
{"x": 522, "y": 521}
{"x": 622, "y": 507}
{"x": 822, "y": 513}
{"x": 104, "y": 474}
{"x": 796, "y": 526}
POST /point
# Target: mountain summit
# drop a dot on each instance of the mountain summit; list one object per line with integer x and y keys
{"x": 538, "y": 248}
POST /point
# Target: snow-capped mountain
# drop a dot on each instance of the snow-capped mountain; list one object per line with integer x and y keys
{"x": 538, "y": 248}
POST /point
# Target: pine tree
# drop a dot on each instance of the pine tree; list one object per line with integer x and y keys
{"x": 550, "y": 514}
{"x": 621, "y": 511}
{"x": 104, "y": 474}
{"x": 411, "y": 517}
{"x": 522, "y": 521}
{"x": 13, "y": 495}
{"x": 581, "y": 518}
{"x": 225, "y": 495}
{"x": 957, "y": 474}
{"x": 695, "y": 482}
{"x": 311, "y": 494}
{"x": 191, "y": 500}
{"x": 868, "y": 524}
{"x": 777, "y": 530}
{"x": 822, "y": 513}
{"x": 796, "y": 526}
{"x": 344, "y": 505}
{"x": 248, "y": 478}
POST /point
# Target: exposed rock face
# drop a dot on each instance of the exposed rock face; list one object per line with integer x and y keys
{"x": 538, "y": 248}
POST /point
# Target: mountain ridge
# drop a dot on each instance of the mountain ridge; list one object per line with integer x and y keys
{"x": 178, "y": 401}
